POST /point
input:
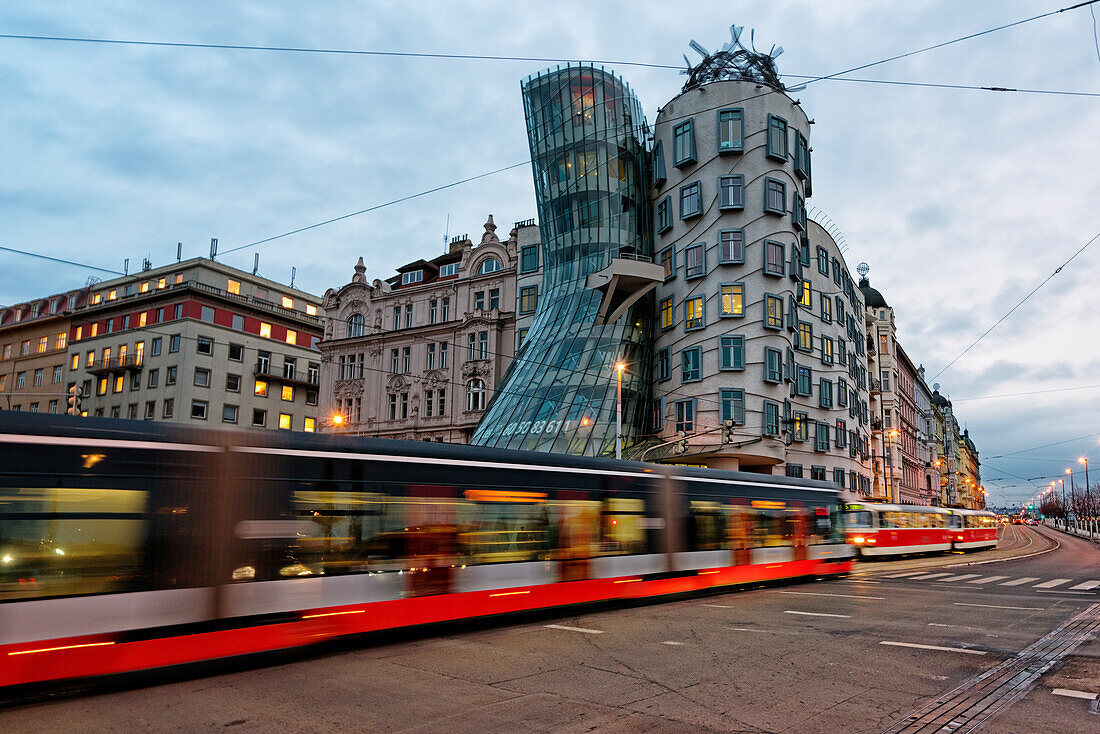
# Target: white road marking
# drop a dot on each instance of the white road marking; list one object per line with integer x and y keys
{"x": 1017, "y": 582}
{"x": 1074, "y": 694}
{"x": 573, "y": 629}
{"x": 860, "y": 581}
{"x": 839, "y": 596}
{"x": 953, "y": 579}
{"x": 933, "y": 647}
{"x": 1087, "y": 585}
{"x": 1052, "y": 583}
{"x": 717, "y": 606}
{"x": 995, "y": 606}
{"x": 817, "y": 614}
{"x": 927, "y": 576}
{"x": 903, "y": 575}
{"x": 746, "y": 629}
{"x": 987, "y": 580}
{"x": 1060, "y": 591}
{"x": 672, "y": 642}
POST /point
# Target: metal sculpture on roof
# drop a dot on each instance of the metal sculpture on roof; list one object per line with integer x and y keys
{"x": 735, "y": 62}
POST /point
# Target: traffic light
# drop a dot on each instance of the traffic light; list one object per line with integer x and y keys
{"x": 681, "y": 446}
{"x": 75, "y": 394}
{"x": 727, "y": 431}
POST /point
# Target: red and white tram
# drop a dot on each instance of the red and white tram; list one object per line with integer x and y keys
{"x": 972, "y": 529}
{"x": 886, "y": 529}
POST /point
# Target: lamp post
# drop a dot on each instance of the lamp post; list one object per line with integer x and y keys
{"x": 1088, "y": 494}
{"x": 619, "y": 367}
{"x": 1071, "y": 498}
{"x": 888, "y": 464}
{"x": 1065, "y": 515}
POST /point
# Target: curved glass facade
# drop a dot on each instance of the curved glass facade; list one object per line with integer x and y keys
{"x": 587, "y": 135}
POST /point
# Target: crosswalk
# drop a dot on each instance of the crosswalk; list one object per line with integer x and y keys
{"x": 978, "y": 579}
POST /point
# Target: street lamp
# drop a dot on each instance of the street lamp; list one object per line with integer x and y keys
{"x": 1065, "y": 515}
{"x": 1088, "y": 493}
{"x": 1071, "y": 497}
{"x": 888, "y": 466}
{"x": 619, "y": 367}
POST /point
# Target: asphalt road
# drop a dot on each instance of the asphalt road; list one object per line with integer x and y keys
{"x": 855, "y": 655}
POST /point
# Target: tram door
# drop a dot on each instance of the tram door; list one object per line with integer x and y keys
{"x": 578, "y": 527}
{"x": 431, "y": 535}
{"x": 740, "y": 529}
{"x": 800, "y": 531}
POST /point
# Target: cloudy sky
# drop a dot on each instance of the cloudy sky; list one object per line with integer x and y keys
{"x": 961, "y": 201}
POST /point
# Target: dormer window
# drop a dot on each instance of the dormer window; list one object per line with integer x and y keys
{"x": 413, "y": 276}
{"x": 448, "y": 269}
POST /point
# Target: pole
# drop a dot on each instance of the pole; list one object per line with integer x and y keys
{"x": 619, "y": 412}
{"x": 1088, "y": 498}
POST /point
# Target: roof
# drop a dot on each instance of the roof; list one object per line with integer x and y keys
{"x": 871, "y": 297}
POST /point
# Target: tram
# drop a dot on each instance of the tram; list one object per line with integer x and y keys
{"x": 127, "y": 546}
{"x": 889, "y": 529}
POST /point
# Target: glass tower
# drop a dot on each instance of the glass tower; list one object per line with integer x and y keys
{"x": 587, "y": 136}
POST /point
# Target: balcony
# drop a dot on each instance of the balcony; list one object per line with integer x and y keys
{"x": 129, "y": 363}
{"x": 266, "y": 371}
{"x": 623, "y": 283}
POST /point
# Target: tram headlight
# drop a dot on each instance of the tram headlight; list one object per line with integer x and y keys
{"x": 858, "y": 540}
{"x": 7, "y": 558}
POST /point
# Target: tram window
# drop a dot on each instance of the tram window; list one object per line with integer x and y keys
{"x": 857, "y": 519}
{"x": 66, "y": 541}
{"x": 341, "y": 532}
{"x": 821, "y": 526}
{"x": 622, "y": 527}
{"x": 772, "y": 528}
{"x": 505, "y": 525}
{"x": 954, "y": 521}
{"x": 708, "y": 526}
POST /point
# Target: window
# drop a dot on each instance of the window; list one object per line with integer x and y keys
{"x": 802, "y": 158}
{"x": 406, "y": 360}
{"x": 528, "y": 298}
{"x": 38, "y": 377}
{"x": 154, "y": 347}
{"x": 775, "y": 196}
{"x": 291, "y": 337}
{"x": 805, "y": 336}
{"x": 408, "y": 318}
{"x": 731, "y": 246}
{"x": 732, "y": 401}
{"x": 793, "y": 470}
{"x": 773, "y": 365}
{"x": 311, "y": 397}
{"x": 284, "y": 421}
{"x": 170, "y": 376}
{"x": 798, "y": 213}
{"x": 804, "y": 385}
{"x": 731, "y": 192}
{"x": 153, "y": 379}
{"x": 691, "y": 360}
{"x": 841, "y": 392}
{"x": 394, "y": 361}
{"x": 731, "y": 298}
{"x": 664, "y": 215}
{"x": 198, "y": 409}
{"x": 731, "y": 350}
{"x": 841, "y": 351}
{"x": 202, "y": 377}
{"x": 668, "y": 317}
{"x": 233, "y": 383}
{"x": 229, "y": 413}
{"x": 204, "y": 345}
{"x": 448, "y": 269}
{"x": 805, "y": 294}
{"x": 414, "y": 276}
{"x": 173, "y": 343}
{"x": 826, "y": 349}
{"x": 691, "y": 200}
{"x": 150, "y": 410}
{"x": 259, "y": 417}
{"x": 479, "y": 301}
{"x": 826, "y": 309}
{"x": 475, "y": 394}
{"x": 529, "y": 259}
{"x": 521, "y": 336}
{"x": 774, "y": 258}
{"x": 25, "y": 347}
{"x": 357, "y": 325}
{"x": 838, "y": 477}
{"x": 43, "y": 343}
{"x": 885, "y": 380}
{"x": 667, "y": 260}
{"x": 657, "y": 416}
{"x": 777, "y": 138}
{"x": 821, "y": 440}
{"x": 818, "y": 472}
{"x": 489, "y": 265}
{"x": 664, "y": 366}
{"x": 694, "y": 261}
{"x": 429, "y": 362}
{"x": 841, "y": 433}
{"x": 310, "y": 425}
{"x": 101, "y": 387}
{"x": 260, "y": 390}
{"x": 74, "y": 362}
{"x": 685, "y": 416}
{"x": 205, "y": 314}
{"x": 683, "y": 144}
{"x": 693, "y": 313}
{"x": 288, "y": 393}
{"x": 801, "y": 426}
{"x": 442, "y": 355}
{"x": 659, "y": 174}
{"x": 840, "y": 310}
{"x": 169, "y": 408}
{"x": 731, "y": 131}
{"x": 773, "y": 311}
{"x": 770, "y": 423}
{"x": 287, "y": 302}
{"x": 825, "y": 388}
{"x": 822, "y": 261}
{"x": 233, "y": 286}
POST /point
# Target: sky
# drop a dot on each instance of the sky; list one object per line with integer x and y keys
{"x": 960, "y": 201}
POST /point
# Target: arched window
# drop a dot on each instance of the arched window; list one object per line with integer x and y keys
{"x": 489, "y": 265}
{"x": 356, "y": 325}
{"x": 475, "y": 394}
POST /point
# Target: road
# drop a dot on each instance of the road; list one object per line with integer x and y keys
{"x": 857, "y": 655}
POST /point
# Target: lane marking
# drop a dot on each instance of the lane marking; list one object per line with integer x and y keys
{"x": 1074, "y": 694}
{"x": 1017, "y": 582}
{"x": 818, "y": 614}
{"x": 1087, "y": 585}
{"x": 1060, "y": 591}
{"x": 903, "y": 575}
{"x": 933, "y": 647}
{"x": 860, "y": 581}
{"x": 838, "y": 596}
{"x": 954, "y": 579}
{"x": 995, "y": 606}
{"x": 746, "y": 629}
{"x": 573, "y": 629}
{"x": 717, "y": 606}
{"x": 1052, "y": 583}
{"x": 927, "y": 576}
{"x": 672, "y": 642}
{"x": 988, "y": 580}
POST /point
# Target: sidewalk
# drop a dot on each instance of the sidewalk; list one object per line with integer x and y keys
{"x": 1076, "y": 531}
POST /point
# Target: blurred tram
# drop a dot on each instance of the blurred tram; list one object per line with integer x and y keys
{"x": 127, "y": 546}
{"x": 886, "y": 529}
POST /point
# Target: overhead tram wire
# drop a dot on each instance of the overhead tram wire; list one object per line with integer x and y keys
{"x": 63, "y": 261}
{"x": 1020, "y": 303}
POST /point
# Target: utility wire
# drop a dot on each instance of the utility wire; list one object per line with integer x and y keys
{"x": 1020, "y": 303}
{"x": 1022, "y": 394}
{"x": 1044, "y": 446}
{"x": 60, "y": 260}
{"x": 935, "y": 85}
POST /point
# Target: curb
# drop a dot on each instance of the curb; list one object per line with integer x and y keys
{"x": 1055, "y": 547}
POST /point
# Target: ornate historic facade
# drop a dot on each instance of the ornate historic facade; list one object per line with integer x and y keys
{"x": 417, "y": 356}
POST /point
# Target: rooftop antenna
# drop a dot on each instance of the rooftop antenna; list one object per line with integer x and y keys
{"x": 293, "y": 275}
{"x": 126, "y": 266}
{"x": 179, "y": 251}
{"x": 146, "y": 264}
{"x": 446, "y": 233}
{"x": 213, "y": 247}
{"x": 256, "y": 263}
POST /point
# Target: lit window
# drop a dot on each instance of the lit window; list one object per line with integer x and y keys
{"x": 43, "y": 343}
{"x": 97, "y": 298}
{"x": 161, "y": 283}
{"x": 311, "y": 310}
{"x": 806, "y": 336}
{"x": 668, "y": 317}
{"x": 806, "y": 295}
{"x": 693, "y": 313}
{"x": 310, "y": 425}
{"x": 265, "y": 330}
{"x": 145, "y": 287}
{"x": 288, "y": 302}
{"x": 112, "y": 295}
{"x": 79, "y": 333}
{"x": 234, "y": 287}
{"x": 732, "y": 299}
{"x": 288, "y": 393}
{"x": 62, "y": 340}
{"x": 120, "y": 381}
{"x": 528, "y": 298}
{"x": 284, "y": 421}
{"x": 291, "y": 337}
{"x": 261, "y": 389}
{"x": 773, "y": 312}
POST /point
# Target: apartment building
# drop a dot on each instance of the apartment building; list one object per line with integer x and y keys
{"x": 34, "y": 339}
